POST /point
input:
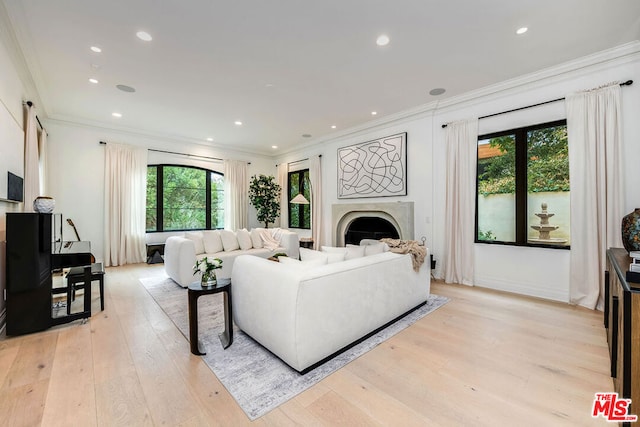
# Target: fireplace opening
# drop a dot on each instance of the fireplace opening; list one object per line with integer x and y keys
{"x": 369, "y": 228}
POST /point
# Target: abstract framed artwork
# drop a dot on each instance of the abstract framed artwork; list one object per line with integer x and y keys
{"x": 375, "y": 168}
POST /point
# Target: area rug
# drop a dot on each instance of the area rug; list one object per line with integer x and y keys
{"x": 258, "y": 380}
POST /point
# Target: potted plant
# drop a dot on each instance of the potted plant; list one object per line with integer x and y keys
{"x": 264, "y": 195}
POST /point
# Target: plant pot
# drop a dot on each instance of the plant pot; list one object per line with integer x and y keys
{"x": 631, "y": 231}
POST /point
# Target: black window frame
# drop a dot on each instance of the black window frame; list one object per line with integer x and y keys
{"x": 302, "y": 185}
{"x": 521, "y": 191}
{"x": 160, "y": 198}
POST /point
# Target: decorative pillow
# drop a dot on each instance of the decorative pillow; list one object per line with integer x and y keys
{"x": 310, "y": 254}
{"x": 212, "y": 241}
{"x": 244, "y": 239}
{"x": 335, "y": 257}
{"x": 196, "y": 236}
{"x": 350, "y": 252}
{"x": 304, "y": 264}
{"x": 372, "y": 249}
{"x": 229, "y": 240}
{"x": 256, "y": 240}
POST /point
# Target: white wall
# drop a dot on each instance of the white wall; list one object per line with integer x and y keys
{"x": 532, "y": 271}
{"x": 15, "y": 88}
{"x": 76, "y": 173}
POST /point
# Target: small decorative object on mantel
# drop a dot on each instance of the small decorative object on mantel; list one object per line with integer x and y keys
{"x": 208, "y": 268}
{"x": 44, "y": 204}
{"x": 631, "y": 231}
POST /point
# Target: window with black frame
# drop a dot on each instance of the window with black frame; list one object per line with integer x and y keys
{"x": 523, "y": 186}
{"x": 184, "y": 198}
{"x": 299, "y": 213}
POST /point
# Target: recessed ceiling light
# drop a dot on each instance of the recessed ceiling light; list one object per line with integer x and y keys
{"x": 373, "y": 113}
{"x": 333, "y": 126}
{"x": 270, "y": 85}
{"x": 210, "y": 139}
{"x": 126, "y": 88}
{"x": 118, "y": 115}
{"x": 94, "y": 81}
{"x": 96, "y": 49}
{"x": 382, "y": 40}
{"x": 238, "y": 123}
{"x": 437, "y": 91}
{"x": 522, "y": 30}
{"x": 143, "y": 35}
{"x": 274, "y": 146}
{"x": 306, "y": 135}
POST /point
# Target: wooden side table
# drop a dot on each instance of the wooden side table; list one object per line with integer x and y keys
{"x": 195, "y": 291}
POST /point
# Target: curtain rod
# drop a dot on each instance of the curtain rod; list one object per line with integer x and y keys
{"x": 301, "y": 160}
{"x": 627, "y": 83}
{"x": 30, "y": 104}
{"x": 180, "y": 154}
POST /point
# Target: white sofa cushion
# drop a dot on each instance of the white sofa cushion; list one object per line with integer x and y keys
{"x": 212, "y": 241}
{"x": 229, "y": 240}
{"x": 196, "y": 237}
{"x": 256, "y": 240}
{"x": 315, "y": 262}
{"x": 350, "y": 252}
{"x": 372, "y": 248}
{"x": 310, "y": 254}
{"x": 244, "y": 239}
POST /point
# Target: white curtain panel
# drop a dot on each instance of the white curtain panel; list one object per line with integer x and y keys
{"x": 125, "y": 198}
{"x": 236, "y": 188}
{"x": 31, "y": 167}
{"x": 43, "y": 167}
{"x": 283, "y": 178}
{"x": 595, "y": 172}
{"x": 315, "y": 177}
{"x": 462, "y": 151}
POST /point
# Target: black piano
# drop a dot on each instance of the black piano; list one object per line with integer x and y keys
{"x": 70, "y": 254}
{"x": 31, "y": 258}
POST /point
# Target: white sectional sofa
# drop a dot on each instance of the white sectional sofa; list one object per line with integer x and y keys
{"x": 181, "y": 252}
{"x": 304, "y": 314}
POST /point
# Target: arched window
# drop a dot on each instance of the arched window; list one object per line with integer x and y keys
{"x": 184, "y": 198}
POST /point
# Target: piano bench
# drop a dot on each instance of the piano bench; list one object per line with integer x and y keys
{"x": 76, "y": 280}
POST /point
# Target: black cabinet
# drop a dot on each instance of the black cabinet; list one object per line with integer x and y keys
{"x": 28, "y": 272}
{"x": 622, "y": 320}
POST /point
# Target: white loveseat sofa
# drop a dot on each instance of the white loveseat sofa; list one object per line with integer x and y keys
{"x": 181, "y": 252}
{"x": 306, "y": 314}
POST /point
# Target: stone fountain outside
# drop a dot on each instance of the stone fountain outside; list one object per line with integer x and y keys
{"x": 544, "y": 228}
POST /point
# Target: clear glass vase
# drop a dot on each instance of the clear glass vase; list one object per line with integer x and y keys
{"x": 208, "y": 278}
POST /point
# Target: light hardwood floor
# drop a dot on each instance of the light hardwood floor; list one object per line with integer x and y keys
{"x": 484, "y": 359}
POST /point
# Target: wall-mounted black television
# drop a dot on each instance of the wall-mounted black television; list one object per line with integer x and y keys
{"x": 15, "y": 190}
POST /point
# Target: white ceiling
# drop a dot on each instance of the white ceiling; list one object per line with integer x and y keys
{"x": 291, "y": 67}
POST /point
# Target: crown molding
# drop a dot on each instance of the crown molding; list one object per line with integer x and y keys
{"x": 125, "y": 131}
{"x": 618, "y": 55}
{"x": 11, "y": 40}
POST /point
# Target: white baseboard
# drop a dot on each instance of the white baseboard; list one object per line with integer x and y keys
{"x": 530, "y": 289}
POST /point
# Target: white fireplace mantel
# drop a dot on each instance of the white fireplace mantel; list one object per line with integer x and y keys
{"x": 399, "y": 214}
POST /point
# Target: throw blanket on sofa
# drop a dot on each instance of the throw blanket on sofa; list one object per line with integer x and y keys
{"x": 418, "y": 253}
{"x": 269, "y": 241}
